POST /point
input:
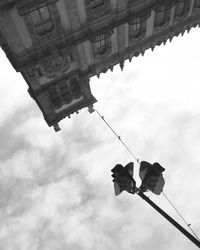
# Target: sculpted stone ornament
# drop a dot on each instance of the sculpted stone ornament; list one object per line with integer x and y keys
{"x": 56, "y": 63}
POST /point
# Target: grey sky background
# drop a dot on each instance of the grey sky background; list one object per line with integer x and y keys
{"x": 56, "y": 191}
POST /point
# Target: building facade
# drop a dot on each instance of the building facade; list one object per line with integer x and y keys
{"x": 58, "y": 45}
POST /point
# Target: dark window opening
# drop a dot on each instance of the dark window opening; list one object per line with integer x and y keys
{"x": 162, "y": 16}
{"x": 136, "y": 24}
{"x": 135, "y": 27}
{"x": 65, "y": 92}
{"x": 54, "y": 97}
{"x": 197, "y": 3}
{"x": 101, "y": 46}
{"x": 75, "y": 88}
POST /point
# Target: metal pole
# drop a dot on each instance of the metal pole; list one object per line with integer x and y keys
{"x": 172, "y": 221}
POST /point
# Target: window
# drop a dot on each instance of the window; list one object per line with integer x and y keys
{"x": 40, "y": 15}
{"x": 96, "y": 3}
{"x": 137, "y": 27}
{"x": 97, "y": 7}
{"x": 136, "y": 24}
{"x": 75, "y": 88}
{"x": 197, "y": 3}
{"x": 162, "y": 16}
{"x": 102, "y": 42}
{"x": 54, "y": 97}
{"x": 167, "y": 4}
{"x": 64, "y": 92}
{"x": 41, "y": 19}
{"x": 180, "y": 9}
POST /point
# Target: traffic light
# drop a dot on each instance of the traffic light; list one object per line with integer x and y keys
{"x": 152, "y": 177}
{"x": 123, "y": 178}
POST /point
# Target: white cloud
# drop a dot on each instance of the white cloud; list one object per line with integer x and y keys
{"x": 56, "y": 188}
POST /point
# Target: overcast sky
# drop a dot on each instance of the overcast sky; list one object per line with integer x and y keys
{"x": 56, "y": 192}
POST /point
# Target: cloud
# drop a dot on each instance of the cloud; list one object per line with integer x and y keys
{"x": 56, "y": 188}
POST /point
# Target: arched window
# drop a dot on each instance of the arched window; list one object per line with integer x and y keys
{"x": 65, "y": 92}
{"x": 137, "y": 23}
{"x": 180, "y": 9}
{"x": 41, "y": 19}
{"x": 96, "y": 4}
{"x": 75, "y": 88}
{"x": 162, "y": 16}
{"x": 197, "y": 4}
{"x": 96, "y": 8}
{"x": 101, "y": 42}
{"x": 135, "y": 27}
{"x": 54, "y": 97}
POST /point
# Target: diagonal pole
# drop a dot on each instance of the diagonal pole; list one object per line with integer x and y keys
{"x": 172, "y": 221}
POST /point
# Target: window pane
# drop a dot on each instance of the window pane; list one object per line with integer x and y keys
{"x": 35, "y": 17}
{"x": 100, "y": 43}
{"x": 44, "y": 11}
{"x": 136, "y": 25}
{"x": 96, "y": 3}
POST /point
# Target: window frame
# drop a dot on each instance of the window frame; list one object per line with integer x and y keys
{"x": 64, "y": 92}
{"x": 137, "y": 27}
{"x": 166, "y": 16}
{"x": 44, "y": 23}
{"x": 37, "y": 15}
{"x": 96, "y": 3}
{"x": 101, "y": 42}
{"x": 197, "y": 4}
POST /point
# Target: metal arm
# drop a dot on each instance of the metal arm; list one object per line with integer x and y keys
{"x": 172, "y": 221}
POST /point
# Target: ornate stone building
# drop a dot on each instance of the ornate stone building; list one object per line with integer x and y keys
{"x": 57, "y": 45}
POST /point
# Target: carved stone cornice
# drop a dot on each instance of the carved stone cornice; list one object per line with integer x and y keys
{"x": 26, "y": 6}
{"x": 95, "y": 13}
{"x": 140, "y": 46}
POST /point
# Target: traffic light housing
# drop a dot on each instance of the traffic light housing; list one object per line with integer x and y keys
{"x": 152, "y": 177}
{"x": 123, "y": 178}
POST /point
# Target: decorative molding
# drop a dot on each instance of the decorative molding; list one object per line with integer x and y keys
{"x": 56, "y": 63}
{"x": 168, "y": 4}
{"x": 41, "y": 41}
{"x": 27, "y": 6}
{"x": 99, "y": 11}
